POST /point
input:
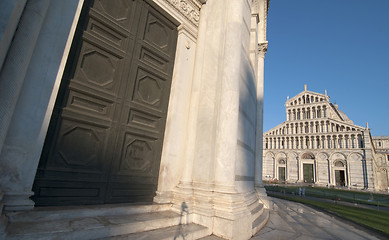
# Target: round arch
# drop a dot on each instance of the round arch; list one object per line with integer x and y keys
{"x": 339, "y": 171}
{"x": 280, "y": 167}
{"x": 307, "y": 167}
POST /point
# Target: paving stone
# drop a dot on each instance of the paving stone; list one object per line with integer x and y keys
{"x": 290, "y": 220}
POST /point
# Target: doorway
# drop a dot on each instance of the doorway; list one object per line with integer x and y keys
{"x": 281, "y": 174}
{"x": 308, "y": 173}
{"x": 340, "y": 178}
{"x": 105, "y": 136}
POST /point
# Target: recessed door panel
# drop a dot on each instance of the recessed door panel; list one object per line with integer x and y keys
{"x": 308, "y": 173}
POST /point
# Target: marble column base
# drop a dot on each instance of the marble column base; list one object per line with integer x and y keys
{"x": 163, "y": 197}
{"x": 3, "y": 218}
{"x": 225, "y": 212}
{"x": 18, "y": 201}
{"x": 263, "y": 198}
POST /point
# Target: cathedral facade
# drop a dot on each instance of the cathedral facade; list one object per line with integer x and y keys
{"x": 318, "y": 144}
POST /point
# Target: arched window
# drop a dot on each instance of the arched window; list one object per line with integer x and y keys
{"x": 360, "y": 140}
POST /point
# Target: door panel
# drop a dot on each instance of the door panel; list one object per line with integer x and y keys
{"x": 308, "y": 173}
{"x": 281, "y": 174}
{"x": 105, "y": 137}
{"x": 340, "y": 178}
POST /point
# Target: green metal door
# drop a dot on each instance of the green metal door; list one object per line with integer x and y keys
{"x": 281, "y": 174}
{"x": 308, "y": 173}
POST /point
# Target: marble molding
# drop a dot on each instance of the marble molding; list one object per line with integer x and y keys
{"x": 188, "y": 8}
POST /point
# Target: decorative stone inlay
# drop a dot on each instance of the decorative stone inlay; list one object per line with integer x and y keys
{"x": 188, "y": 8}
{"x": 137, "y": 156}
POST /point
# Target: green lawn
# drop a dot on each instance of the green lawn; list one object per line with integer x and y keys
{"x": 378, "y": 220}
{"x": 336, "y": 194}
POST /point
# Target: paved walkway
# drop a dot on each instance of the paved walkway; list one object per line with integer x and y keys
{"x": 290, "y": 220}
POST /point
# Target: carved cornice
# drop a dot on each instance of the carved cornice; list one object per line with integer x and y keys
{"x": 190, "y": 9}
{"x": 262, "y": 48}
{"x": 255, "y": 7}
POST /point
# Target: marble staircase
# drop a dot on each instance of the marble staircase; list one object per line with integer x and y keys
{"x": 124, "y": 221}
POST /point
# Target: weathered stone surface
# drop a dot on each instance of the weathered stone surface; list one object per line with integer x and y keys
{"x": 290, "y": 220}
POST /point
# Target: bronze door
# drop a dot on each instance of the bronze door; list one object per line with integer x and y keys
{"x": 105, "y": 137}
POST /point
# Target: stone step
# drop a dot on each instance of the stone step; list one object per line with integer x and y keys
{"x": 256, "y": 212}
{"x": 261, "y": 221}
{"x": 56, "y": 213}
{"x": 92, "y": 227}
{"x": 188, "y": 232}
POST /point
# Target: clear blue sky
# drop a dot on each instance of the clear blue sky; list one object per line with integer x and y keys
{"x": 338, "y": 45}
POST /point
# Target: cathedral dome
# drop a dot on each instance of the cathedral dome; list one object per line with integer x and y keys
{"x": 344, "y": 116}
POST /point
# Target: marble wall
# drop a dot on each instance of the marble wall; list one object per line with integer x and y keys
{"x": 211, "y": 158}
